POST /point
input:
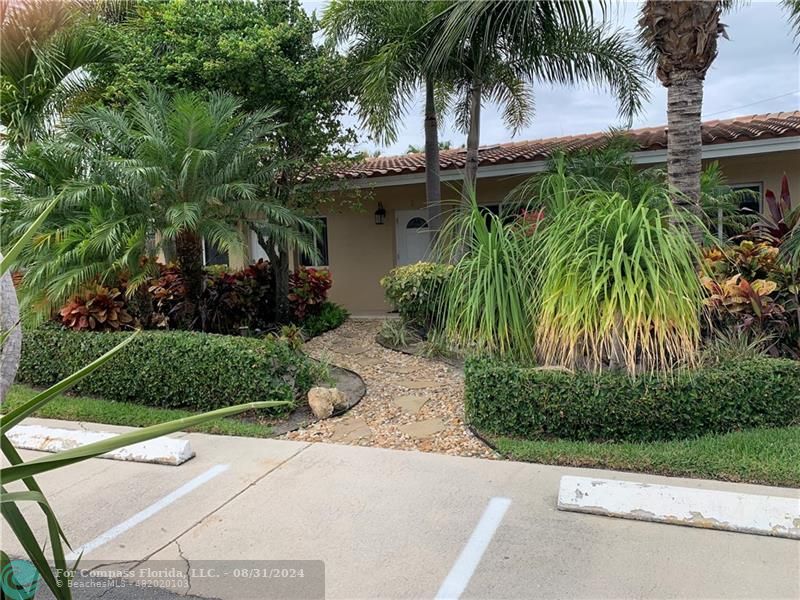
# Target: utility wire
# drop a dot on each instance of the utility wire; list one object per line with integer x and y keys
{"x": 719, "y": 112}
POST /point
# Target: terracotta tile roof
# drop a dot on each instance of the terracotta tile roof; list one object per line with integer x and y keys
{"x": 745, "y": 128}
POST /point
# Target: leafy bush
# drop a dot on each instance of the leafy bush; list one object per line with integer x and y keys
{"x": 98, "y": 309}
{"x": 753, "y": 290}
{"x": 308, "y": 290}
{"x": 505, "y": 399}
{"x": 415, "y": 291}
{"x": 329, "y": 317}
{"x": 172, "y": 369}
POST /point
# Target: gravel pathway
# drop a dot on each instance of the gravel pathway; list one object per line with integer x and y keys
{"x": 412, "y": 403}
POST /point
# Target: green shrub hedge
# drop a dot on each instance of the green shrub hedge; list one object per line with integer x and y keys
{"x": 329, "y": 317}
{"x": 503, "y": 399}
{"x": 415, "y": 291}
{"x": 173, "y": 369}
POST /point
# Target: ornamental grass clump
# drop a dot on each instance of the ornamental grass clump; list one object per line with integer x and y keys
{"x": 489, "y": 299}
{"x": 618, "y": 287}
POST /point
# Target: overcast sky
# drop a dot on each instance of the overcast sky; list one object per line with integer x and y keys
{"x": 757, "y": 71}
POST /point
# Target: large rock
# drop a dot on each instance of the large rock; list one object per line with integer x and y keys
{"x": 324, "y": 400}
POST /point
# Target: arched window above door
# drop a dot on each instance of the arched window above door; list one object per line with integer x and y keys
{"x": 417, "y": 223}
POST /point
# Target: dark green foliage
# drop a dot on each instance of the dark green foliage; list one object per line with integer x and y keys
{"x": 329, "y": 317}
{"x": 503, "y": 399}
{"x": 174, "y": 369}
{"x": 262, "y": 51}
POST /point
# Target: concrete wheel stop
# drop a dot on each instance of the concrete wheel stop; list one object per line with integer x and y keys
{"x": 777, "y": 516}
{"x": 162, "y": 451}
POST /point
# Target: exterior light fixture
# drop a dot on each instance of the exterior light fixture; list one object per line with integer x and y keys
{"x": 380, "y": 215}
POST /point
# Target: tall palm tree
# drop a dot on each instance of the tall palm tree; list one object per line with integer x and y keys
{"x": 131, "y": 182}
{"x": 681, "y": 38}
{"x": 388, "y": 46}
{"x": 44, "y": 49}
{"x": 528, "y": 42}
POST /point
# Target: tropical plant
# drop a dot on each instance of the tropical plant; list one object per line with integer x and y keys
{"x": 388, "y": 45}
{"x": 396, "y": 333}
{"x": 164, "y": 174}
{"x": 45, "y": 48}
{"x": 753, "y": 290}
{"x": 780, "y": 226}
{"x": 265, "y": 52}
{"x": 507, "y": 47}
{"x": 611, "y": 168}
{"x": 792, "y": 8}
{"x": 491, "y": 290}
{"x": 721, "y": 205}
{"x": 57, "y": 576}
{"x": 308, "y": 290}
{"x": 730, "y": 345}
{"x": 746, "y": 302}
{"x": 618, "y": 287}
{"x": 97, "y": 309}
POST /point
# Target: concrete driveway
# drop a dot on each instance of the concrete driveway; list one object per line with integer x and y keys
{"x": 390, "y": 524}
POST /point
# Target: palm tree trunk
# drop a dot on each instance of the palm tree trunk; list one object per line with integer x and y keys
{"x": 279, "y": 272}
{"x": 433, "y": 189}
{"x": 473, "y": 137}
{"x": 9, "y": 321}
{"x": 189, "y": 252}
{"x": 684, "y": 142}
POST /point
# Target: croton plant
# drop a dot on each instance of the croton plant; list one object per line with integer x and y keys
{"x": 97, "y": 309}
{"x": 751, "y": 289}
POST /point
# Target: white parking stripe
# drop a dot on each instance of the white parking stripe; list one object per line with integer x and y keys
{"x": 471, "y": 555}
{"x": 148, "y": 512}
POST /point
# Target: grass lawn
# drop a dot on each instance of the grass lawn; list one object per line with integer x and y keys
{"x": 765, "y": 456}
{"x": 95, "y": 410}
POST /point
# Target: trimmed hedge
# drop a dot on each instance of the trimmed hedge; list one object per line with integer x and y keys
{"x": 172, "y": 369}
{"x": 503, "y": 399}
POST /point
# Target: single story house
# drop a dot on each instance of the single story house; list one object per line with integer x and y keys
{"x": 360, "y": 246}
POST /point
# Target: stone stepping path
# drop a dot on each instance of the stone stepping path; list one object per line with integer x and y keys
{"x": 350, "y": 430}
{"x": 423, "y": 429}
{"x": 411, "y": 403}
{"x": 422, "y": 384}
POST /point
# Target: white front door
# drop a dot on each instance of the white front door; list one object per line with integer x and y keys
{"x": 413, "y": 236}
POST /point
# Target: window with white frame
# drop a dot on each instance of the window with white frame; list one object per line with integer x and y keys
{"x": 749, "y": 204}
{"x": 213, "y": 255}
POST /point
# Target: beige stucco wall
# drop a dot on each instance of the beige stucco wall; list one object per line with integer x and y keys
{"x": 767, "y": 169}
{"x": 362, "y": 252}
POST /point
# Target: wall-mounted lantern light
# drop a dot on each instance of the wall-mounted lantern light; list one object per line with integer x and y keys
{"x": 380, "y": 215}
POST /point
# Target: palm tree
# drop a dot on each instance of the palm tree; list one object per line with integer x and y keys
{"x": 387, "y": 46}
{"x": 44, "y": 49}
{"x": 131, "y": 182}
{"x": 517, "y": 44}
{"x": 792, "y": 8}
{"x": 681, "y": 38}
